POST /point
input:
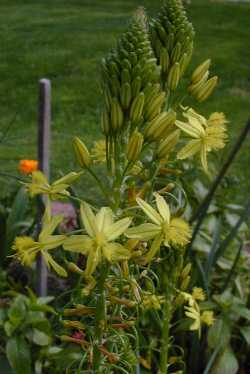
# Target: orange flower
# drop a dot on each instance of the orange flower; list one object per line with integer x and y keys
{"x": 28, "y": 166}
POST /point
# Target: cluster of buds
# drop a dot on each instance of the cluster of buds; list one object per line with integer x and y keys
{"x": 130, "y": 80}
{"x": 172, "y": 39}
{"x": 201, "y": 87}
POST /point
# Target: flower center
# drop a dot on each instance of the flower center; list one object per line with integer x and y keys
{"x": 165, "y": 228}
{"x": 100, "y": 239}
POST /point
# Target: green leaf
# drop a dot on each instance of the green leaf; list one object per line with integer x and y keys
{"x": 18, "y": 354}
{"x": 245, "y": 331}
{"x": 226, "y": 363}
{"x": 17, "y": 311}
{"x": 219, "y": 334}
{"x": 40, "y": 338}
{"x": 241, "y": 311}
{"x": 9, "y": 328}
{"x": 34, "y": 318}
{"x": 45, "y": 300}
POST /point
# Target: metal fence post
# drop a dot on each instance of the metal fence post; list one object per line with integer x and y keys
{"x": 44, "y": 124}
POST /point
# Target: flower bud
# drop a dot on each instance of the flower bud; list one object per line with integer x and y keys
{"x": 134, "y": 146}
{"x": 207, "y": 89}
{"x": 116, "y": 115}
{"x": 167, "y": 145}
{"x": 200, "y": 71}
{"x": 136, "y": 110}
{"x": 105, "y": 126}
{"x": 195, "y": 88}
{"x": 174, "y": 76}
{"x": 186, "y": 270}
{"x": 81, "y": 152}
{"x": 74, "y": 268}
{"x": 185, "y": 283}
{"x": 158, "y": 128}
{"x": 68, "y": 178}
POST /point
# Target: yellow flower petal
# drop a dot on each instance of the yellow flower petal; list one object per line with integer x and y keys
{"x": 145, "y": 231}
{"x": 78, "y": 243}
{"x": 191, "y": 114}
{"x": 162, "y": 207}
{"x": 195, "y": 130}
{"x": 117, "y": 229}
{"x": 204, "y": 158}
{"x": 93, "y": 260}
{"x": 149, "y": 211}
{"x": 115, "y": 252}
{"x": 49, "y": 226}
{"x": 88, "y": 219}
{"x": 39, "y": 178}
{"x": 207, "y": 317}
{"x": 189, "y": 149}
{"x": 154, "y": 248}
{"x": 68, "y": 178}
{"x": 104, "y": 219}
{"x": 53, "y": 241}
{"x": 53, "y": 264}
{"x": 58, "y": 189}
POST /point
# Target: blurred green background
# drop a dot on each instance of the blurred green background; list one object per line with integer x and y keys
{"x": 64, "y": 40}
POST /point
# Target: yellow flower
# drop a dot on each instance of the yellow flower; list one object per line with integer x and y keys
{"x": 198, "y": 294}
{"x": 207, "y": 135}
{"x": 98, "y": 152}
{"x": 166, "y": 229}
{"x": 40, "y": 185}
{"x": 207, "y": 317}
{"x": 193, "y": 312}
{"x": 151, "y": 301}
{"x": 27, "y": 248}
{"x": 100, "y": 242}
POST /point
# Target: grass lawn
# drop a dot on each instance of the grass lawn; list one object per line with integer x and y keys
{"x": 64, "y": 40}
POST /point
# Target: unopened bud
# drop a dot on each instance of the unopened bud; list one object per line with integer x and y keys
{"x": 105, "y": 126}
{"x": 167, "y": 145}
{"x": 81, "y": 152}
{"x": 185, "y": 283}
{"x": 200, "y": 71}
{"x": 174, "y": 76}
{"x": 186, "y": 270}
{"x": 74, "y": 268}
{"x": 134, "y": 146}
{"x": 207, "y": 89}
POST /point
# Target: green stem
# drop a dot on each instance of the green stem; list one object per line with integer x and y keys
{"x": 100, "y": 319}
{"x": 99, "y": 183}
{"x": 7, "y": 175}
{"x": 165, "y": 337}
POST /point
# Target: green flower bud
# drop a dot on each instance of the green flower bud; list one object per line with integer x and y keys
{"x": 134, "y": 146}
{"x": 207, "y": 89}
{"x": 174, "y": 76}
{"x": 105, "y": 124}
{"x": 137, "y": 108}
{"x": 167, "y": 145}
{"x": 116, "y": 115}
{"x": 81, "y": 152}
{"x": 126, "y": 95}
{"x": 200, "y": 71}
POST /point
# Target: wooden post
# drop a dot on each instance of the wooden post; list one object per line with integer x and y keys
{"x": 44, "y": 120}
